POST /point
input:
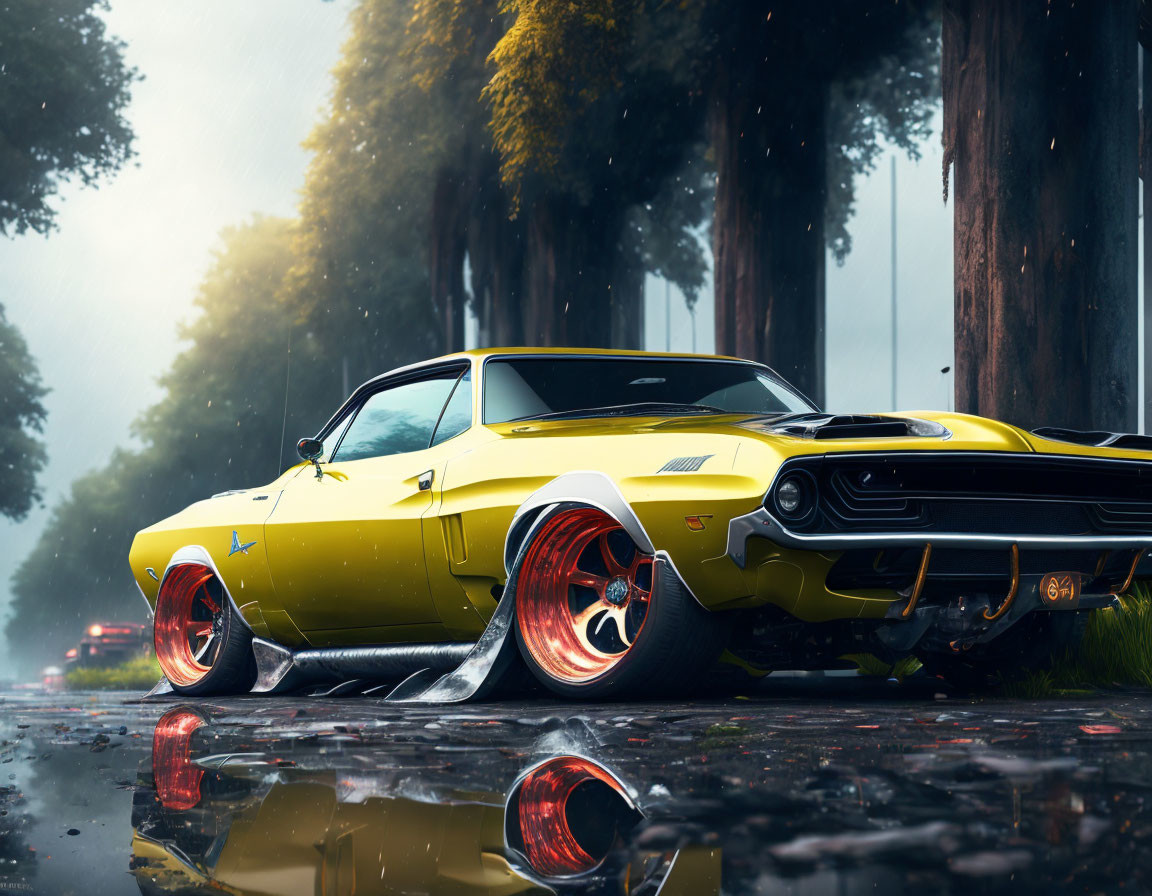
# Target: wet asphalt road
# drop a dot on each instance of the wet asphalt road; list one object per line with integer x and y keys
{"x": 804, "y": 786}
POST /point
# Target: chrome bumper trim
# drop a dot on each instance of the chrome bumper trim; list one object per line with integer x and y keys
{"x": 760, "y": 523}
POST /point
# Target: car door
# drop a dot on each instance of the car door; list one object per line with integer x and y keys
{"x": 344, "y": 542}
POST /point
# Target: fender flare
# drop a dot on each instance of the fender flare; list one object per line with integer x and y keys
{"x": 588, "y": 487}
{"x": 194, "y": 553}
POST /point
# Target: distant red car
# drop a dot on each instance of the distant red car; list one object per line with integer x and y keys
{"x": 109, "y": 644}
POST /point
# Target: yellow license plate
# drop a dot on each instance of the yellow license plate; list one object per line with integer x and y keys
{"x": 1060, "y": 589}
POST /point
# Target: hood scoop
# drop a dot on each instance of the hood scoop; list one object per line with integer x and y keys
{"x": 852, "y": 426}
{"x": 1096, "y": 438}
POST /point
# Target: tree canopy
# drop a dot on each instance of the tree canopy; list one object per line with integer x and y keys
{"x": 63, "y": 90}
{"x": 217, "y": 426}
{"x": 64, "y": 87}
{"x": 22, "y": 414}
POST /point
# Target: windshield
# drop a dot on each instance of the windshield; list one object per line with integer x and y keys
{"x": 523, "y": 388}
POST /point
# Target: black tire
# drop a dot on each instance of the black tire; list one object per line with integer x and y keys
{"x": 1032, "y": 644}
{"x": 234, "y": 671}
{"x": 676, "y": 644}
{"x": 233, "y": 666}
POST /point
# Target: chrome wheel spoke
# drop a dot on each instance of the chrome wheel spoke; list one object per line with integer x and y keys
{"x": 208, "y": 602}
{"x": 613, "y": 565}
{"x": 580, "y": 620}
{"x": 619, "y": 617}
{"x": 202, "y": 652}
{"x": 588, "y": 580}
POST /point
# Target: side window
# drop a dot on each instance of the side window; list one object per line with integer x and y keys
{"x": 396, "y": 420}
{"x": 335, "y": 436}
{"x": 457, "y": 415}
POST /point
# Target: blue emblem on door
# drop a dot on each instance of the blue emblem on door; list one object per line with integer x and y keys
{"x": 238, "y": 548}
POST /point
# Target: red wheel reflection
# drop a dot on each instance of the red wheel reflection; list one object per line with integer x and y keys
{"x": 177, "y": 778}
{"x": 189, "y": 620}
{"x": 545, "y": 826}
{"x": 582, "y": 596}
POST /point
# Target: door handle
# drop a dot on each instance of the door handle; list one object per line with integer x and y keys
{"x": 425, "y": 480}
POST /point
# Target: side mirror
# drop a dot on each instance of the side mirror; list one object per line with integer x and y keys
{"x": 310, "y": 449}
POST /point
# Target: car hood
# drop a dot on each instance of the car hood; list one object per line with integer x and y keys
{"x": 825, "y": 432}
{"x": 902, "y": 431}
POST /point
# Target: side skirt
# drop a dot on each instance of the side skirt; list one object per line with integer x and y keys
{"x": 280, "y": 669}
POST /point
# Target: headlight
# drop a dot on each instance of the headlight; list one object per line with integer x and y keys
{"x": 795, "y": 496}
{"x": 789, "y": 496}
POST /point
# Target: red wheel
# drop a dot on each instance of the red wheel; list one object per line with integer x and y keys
{"x": 596, "y": 617}
{"x": 189, "y": 620}
{"x": 177, "y": 777}
{"x": 200, "y": 645}
{"x": 567, "y": 815}
{"x": 583, "y": 595}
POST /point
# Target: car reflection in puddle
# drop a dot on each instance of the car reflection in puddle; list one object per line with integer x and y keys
{"x": 263, "y": 821}
{"x": 769, "y": 796}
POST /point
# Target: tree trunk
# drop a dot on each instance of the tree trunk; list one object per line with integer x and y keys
{"x": 496, "y": 258}
{"x": 571, "y": 263}
{"x": 768, "y": 230}
{"x": 1040, "y": 122}
{"x": 627, "y": 299}
{"x": 446, "y": 262}
{"x": 1146, "y": 175}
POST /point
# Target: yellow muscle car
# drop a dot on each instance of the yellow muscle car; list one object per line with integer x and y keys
{"x": 617, "y": 522}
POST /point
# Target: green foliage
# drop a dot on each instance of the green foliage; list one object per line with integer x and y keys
{"x": 217, "y": 426}
{"x": 288, "y": 310}
{"x": 1117, "y": 646}
{"x": 585, "y": 92}
{"x": 22, "y": 414}
{"x": 64, "y": 87}
{"x": 63, "y": 90}
{"x": 555, "y": 62}
{"x": 596, "y": 109}
{"x": 891, "y": 101}
{"x": 667, "y": 230}
{"x": 873, "y": 667}
{"x": 137, "y": 674}
{"x": 360, "y": 277}
{"x": 1034, "y": 684}
{"x": 1116, "y": 651}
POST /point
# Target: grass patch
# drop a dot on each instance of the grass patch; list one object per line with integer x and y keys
{"x": 1116, "y": 651}
{"x": 873, "y": 667}
{"x": 136, "y": 674}
{"x": 723, "y": 736}
{"x": 1117, "y": 645}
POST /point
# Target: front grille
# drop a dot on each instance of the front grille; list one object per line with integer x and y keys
{"x": 1006, "y": 494}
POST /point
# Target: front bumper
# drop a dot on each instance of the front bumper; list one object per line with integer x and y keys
{"x": 761, "y": 523}
{"x": 959, "y": 614}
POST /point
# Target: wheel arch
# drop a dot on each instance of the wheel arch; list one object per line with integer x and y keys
{"x": 588, "y": 487}
{"x": 194, "y": 553}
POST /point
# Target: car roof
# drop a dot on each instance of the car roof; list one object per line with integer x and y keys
{"x": 529, "y": 351}
{"x": 483, "y": 354}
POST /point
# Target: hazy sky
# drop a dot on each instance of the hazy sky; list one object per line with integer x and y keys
{"x": 231, "y": 89}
